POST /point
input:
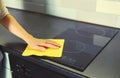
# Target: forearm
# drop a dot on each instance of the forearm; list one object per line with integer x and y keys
{"x": 14, "y": 27}
{"x": 10, "y": 23}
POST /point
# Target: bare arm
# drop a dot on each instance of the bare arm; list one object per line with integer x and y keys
{"x": 10, "y": 23}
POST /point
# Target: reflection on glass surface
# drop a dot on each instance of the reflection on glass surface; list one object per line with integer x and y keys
{"x": 100, "y": 40}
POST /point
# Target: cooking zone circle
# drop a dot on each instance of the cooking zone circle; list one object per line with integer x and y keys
{"x": 74, "y": 46}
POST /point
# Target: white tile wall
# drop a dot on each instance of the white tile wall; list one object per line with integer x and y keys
{"x": 108, "y": 6}
{"x": 118, "y": 22}
{"x": 62, "y": 12}
{"x": 86, "y": 5}
{"x": 97, "y": 18}
{"x": 82, "y": 10}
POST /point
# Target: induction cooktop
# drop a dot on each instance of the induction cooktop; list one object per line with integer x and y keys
{"x": 82, "y": 44}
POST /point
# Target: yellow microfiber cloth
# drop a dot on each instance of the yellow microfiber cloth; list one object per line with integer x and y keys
{"x": 48, "y": 52}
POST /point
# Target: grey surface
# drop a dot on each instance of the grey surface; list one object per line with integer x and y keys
{"x": 106, "y": 64}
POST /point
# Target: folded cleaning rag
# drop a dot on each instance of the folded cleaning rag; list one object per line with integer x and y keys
{"x": 48, "y": 52}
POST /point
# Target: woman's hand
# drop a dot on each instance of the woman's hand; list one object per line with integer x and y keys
{"x": 42, "y": 44}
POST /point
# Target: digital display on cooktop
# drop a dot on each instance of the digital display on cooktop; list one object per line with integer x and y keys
{"x": 82, "y": 44}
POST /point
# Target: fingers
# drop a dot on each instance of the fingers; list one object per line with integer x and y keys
{"x": 50, "y": 46}
{"x": 39, "y": 48}
{"x": 43, "y": 44}
{"x": 51, "y": 43}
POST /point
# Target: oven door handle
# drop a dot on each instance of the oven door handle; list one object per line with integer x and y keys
{"x": 8, "y": 72}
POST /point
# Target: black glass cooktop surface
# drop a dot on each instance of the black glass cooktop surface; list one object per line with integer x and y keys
{"x": 82, "y": 44}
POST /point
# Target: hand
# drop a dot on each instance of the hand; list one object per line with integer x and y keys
{"x": 10, "y": 23}
{"x": 42, "y": 44}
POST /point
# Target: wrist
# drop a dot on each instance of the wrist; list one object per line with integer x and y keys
{"x": 29, "y": 39}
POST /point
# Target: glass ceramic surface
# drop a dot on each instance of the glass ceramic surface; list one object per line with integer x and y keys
{"x": 82, "y": 44}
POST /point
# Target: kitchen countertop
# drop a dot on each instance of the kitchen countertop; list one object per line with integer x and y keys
{"x": 105, "y": 65}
